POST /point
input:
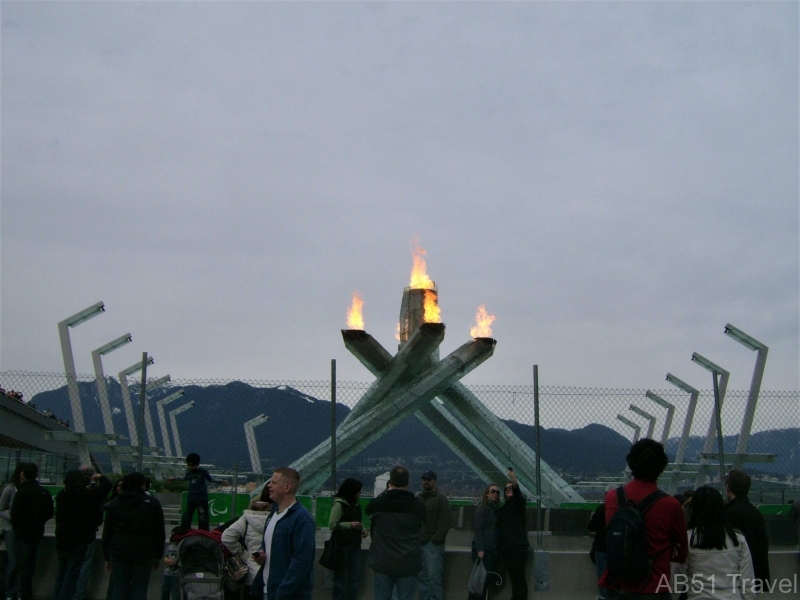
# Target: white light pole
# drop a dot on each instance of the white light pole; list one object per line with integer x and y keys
{"x": 670, "y": 412}
{"x": 650, "y": 419}
{"x": 78, "y": 424}
{"x": 126, "y": 397}
{"x": 162, "y": 421}
{"x": 174, "y": 424}
{"x": 102, "y": 393}
{"x": 687, "y": 424}
{"x": 636, "y": 428}
{"x": 720, "y": 380}
{"x": 148, "y": 416}
{"x": 69, "y": 362}
{"x": 250, "y": 436}
{"x": 755, "y": 387}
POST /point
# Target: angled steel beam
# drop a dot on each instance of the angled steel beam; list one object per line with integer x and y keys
{"x": 755, "y": 387}
{"x": 126, "y": 397}
{"x": 712, "y": 424}
{"x": 162, "y": 421}
{"x": 174, "y": 424}
{"x": 670, "y": 413}
{"x": 651, "y": 420}
{"x": 252, "y": 445}
{"x": 637, "y": 429}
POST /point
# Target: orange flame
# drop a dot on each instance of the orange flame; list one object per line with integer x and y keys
{"x": 355, "y": 319}
{"x": 397, "y": 333}
{"x": 483, "y": 323}
{"x": 433, "y": 313}
{"x": 419, "y": 274}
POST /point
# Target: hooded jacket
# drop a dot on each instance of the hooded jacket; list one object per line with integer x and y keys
{"x": 397, "y": 519}
{"x": 246, "y": 535}
{"x": 134, "y": 528}
{"x": 438, "y": 511}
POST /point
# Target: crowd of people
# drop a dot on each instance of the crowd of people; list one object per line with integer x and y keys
{"x": 647, "y": 546}
{"x": 695, "y": 544}
{"x": 21, "y": 398}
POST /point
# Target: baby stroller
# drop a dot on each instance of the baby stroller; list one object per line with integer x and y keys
{"x": 201, "y": 568}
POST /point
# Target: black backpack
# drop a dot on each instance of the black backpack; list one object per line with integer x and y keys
{"x": 626, "y": 541}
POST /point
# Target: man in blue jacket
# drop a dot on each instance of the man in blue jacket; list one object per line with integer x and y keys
{"x": 287, "y": 552}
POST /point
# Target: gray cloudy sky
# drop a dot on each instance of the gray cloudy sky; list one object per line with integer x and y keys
{"x": 616, "y": 181}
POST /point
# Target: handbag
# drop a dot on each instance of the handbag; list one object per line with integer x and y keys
{"x": 477, "y": 579}
{"x": 328, "y": 557}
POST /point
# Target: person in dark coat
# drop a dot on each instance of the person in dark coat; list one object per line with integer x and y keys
{"x": 345, "y": 523}
{"x": 31, "y": 509}
{"x": 133, "y": 539}
{"x": 396, "y": 550}
{"x": 76, "y": 506}
{"x": 742, "y": 515}
{"x": 484, "y": 544}
{"x": 514, "y": 544}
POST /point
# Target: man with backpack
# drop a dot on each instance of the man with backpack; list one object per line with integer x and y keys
{"x": 645, "y": 530}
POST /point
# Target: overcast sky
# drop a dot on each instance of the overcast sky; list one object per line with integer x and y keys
{"x": 615, "y": 181}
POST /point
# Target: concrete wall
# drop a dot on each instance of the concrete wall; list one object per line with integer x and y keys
{"x": 572, "y": 575}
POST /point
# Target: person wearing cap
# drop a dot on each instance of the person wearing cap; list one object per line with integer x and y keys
{"x": 433, "y": 532}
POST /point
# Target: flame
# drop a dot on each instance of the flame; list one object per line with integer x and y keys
{"x": 397, "y": 333}
{"x": 419, "y": 274}
{"x": 355, "y": 319}
{"x": 483, "y": 323}
{"x": 431, "y": 306}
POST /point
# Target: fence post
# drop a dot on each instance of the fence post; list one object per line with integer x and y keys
{"x": 333, "y": 424}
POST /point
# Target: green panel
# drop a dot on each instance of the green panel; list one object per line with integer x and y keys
{"x": 306, "y": 501}
{"x": 775, "y": 509}
{"x": 219, "y": 507}
{"x": 323, "y": 516}
{"x": 53, "y": 489}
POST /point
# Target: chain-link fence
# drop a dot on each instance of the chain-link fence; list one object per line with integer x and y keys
{"x": 584, "y": 439}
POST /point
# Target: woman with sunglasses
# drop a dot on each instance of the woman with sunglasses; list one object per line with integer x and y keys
{"x": 484, "y": 545}
{"x": 513, "y": 543}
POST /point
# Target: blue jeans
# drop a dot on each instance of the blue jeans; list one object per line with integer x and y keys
{"x": 69, "y": 569}
{"x": 86, "y": 572}
{"x": 131, "y": 579}
{"x": 201, "y": 506}
{"x": 11, "y": 586}
{"x": 169, "y": 586}
{"x": 347, "y": 574}
{"x": 601, "y": 561}
{"x": 430, "y": 577}
{"x": 384, "y": 584}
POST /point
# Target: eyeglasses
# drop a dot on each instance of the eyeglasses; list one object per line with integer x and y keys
{"x": 508, "y": 488}
{"x": 494, "y": 491}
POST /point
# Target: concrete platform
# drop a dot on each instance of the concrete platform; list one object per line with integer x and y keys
{"x": 572, "y": 575}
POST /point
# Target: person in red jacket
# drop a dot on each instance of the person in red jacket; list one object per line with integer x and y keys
{"x": 665, "y": 527}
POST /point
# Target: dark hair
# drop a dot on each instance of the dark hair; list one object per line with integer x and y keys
{"x": 708, "y": 520}
{"x": 737, "y": 481}
{"x": 30, "y": 470}
{"x": 687, "y": 495}
{"x": 15, "y": 475}
{"x": 193, "y": 459}
{"x": 74, "y": 478}
{"x": 133, "y": 482}
{"x": 680, "y": 498}
{"x": 398, "y": 477}
{"x": 348, "y": 490}
{"x": 264, "y": 497}
{"x": 117, "y": 483}
{"x": 647, "y": 459}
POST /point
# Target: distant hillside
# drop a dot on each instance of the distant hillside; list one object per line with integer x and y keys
{"x": 299, "y": 422}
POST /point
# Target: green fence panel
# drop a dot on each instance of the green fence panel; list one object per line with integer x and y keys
{"x": 219, "y": 507}
{"x": 592, "y": 506}
{"x": 775, "y": 509}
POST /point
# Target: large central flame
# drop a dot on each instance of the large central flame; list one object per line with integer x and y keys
{"x": 421, "y": 281}
{"x": 483, "y": 323}
{"x": 355, "y": 319}
{"x": 419, "y": 274}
